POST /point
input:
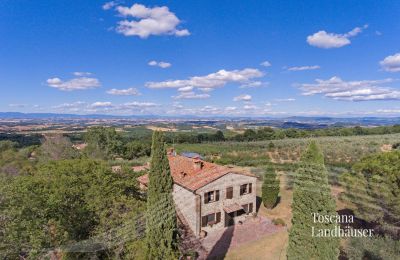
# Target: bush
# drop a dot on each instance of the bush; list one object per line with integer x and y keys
{"x": 278, "y": 222}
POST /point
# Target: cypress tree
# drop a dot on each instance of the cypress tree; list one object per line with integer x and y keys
{"x": 311, "y": 194}
{"x": 161, "y": 222}
{"x": 270, "y": 188}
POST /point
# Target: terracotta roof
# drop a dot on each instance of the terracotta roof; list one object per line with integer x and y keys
{"x": 186, "y": 175}
{"x": 232, "y": 208}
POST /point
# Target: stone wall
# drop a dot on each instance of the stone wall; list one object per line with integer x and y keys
{"x": 229, "y": 180}
{"x": 185, "y": 202}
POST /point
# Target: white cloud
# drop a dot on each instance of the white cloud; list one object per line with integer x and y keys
{"x": 161, "y": 64}
{"x": 266, "y": 63}
{"x": 18, "y": 105}
{"x": 230, "y": 108}
{"x": 391, "y": 63}
{"x": 206, "y": 89}
{"x": 363, "y": 90}
{"x": 101, "y": 104}
{"x": 135, "y": 104}
{"x": 79, "y": 83}
{"x": 149, "y": 21}
{"x": 210, "y": 81}
{"x": 249, "y": 107}
{"x": 388, "y": 111}
{"x": 254, "y": 84}
{"x": 244, "y": 97}
{"x": 285, "y": 99}
{"x": 109, "y": 5}
{"x": 191, "y": 95}
{"x": 185, "y": 89}
{"x": 325, "y": 40}
{"x": 70, "y": 105}
{"x": 124, "y": 92}
{"x": 300, "y": 68}
{"x": 81, "y": 74}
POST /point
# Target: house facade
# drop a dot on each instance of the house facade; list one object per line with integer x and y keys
{"x": 208, "y": 196}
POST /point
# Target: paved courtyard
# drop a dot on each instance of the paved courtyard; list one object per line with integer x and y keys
{"x": 219, "y": 242}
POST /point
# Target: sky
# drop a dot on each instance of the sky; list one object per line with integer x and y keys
{"x": 203, "y": 58}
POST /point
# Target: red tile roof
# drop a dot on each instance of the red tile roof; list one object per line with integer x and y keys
{"x": 185, "y": 174}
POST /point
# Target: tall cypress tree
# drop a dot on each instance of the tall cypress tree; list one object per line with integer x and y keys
{"x": 311, "y": 194}
{"x": 270, "y": 188}
{"x": 161, "y": 222}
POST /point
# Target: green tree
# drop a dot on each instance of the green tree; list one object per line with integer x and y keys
{"x": 161, "y": 222}
{"x": 136, "y": 149}
{"x": 373, "y": 188}
{"x": 64, "y": 203}
{"x": 311, "y": 195}
{"x": 102, "y": 142}
{"x": 270, "y": 188}
{"x": 57, "y": 147}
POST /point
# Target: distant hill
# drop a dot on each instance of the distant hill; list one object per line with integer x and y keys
{"x": 299, "y": 122}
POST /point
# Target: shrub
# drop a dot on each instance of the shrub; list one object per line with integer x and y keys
{"x": 279, "y": 222}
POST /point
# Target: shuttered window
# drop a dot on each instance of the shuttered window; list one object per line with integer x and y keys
{"x": 229, "y": 192}
{"x": 218, "y": 217}
{"x": 210, "y": 219}
{"x": 204, "y": 221}
{"x": 246, "y": 188}
{"x": 211, "y": 196}
{"x": 250, "y": 208}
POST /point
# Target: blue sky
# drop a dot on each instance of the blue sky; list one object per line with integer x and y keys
{"x": 254, "y": 58}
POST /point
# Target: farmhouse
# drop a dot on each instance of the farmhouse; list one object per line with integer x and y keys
{"x": 209, "y": 196}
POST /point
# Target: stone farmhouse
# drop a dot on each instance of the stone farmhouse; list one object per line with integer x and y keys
{"x": 208, "y": 196}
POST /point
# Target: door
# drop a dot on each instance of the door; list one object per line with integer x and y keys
{"x": 229, "y": 221}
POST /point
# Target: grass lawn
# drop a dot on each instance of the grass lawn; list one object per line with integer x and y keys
{"x": 271, "y": 246}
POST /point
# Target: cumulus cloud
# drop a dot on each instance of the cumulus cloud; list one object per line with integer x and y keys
{"x": 244, "y": 97}
{"x": 391, "y": 63}
{"x": 81, "y": 74}
{"x": 325, "y": 40}
{"x": 363, "y": 90}
{"x": 210, "y": 81}
{"x": 70, "y": 105}
{"x": 254, "y": 84}
{"x": 124, "y": 92}
{"x": 101, "y": 104}
{"x": 266, "y": 63}
{"x": 161, "y": 64}
{"x": 191, "y": 95}
{"x": 79, "y": 83}
{"x": 18, "y": 105}
{"x": 146, "y": 21}
{"x": 185, "y": 89}
{"x": 300, "y": 68}
{"x": 285, "y": 99}
{"x": 109, "y": 5}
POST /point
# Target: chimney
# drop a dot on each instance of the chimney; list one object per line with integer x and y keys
{"x": 197, "y": 164}
{"x": 171, "y": 151}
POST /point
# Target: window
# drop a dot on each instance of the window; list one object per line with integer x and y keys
{"x": 211, "y": 196}
{"x": 229, "y": 193}
{"x": 211, "y": 219}
{"x": 245, "y": 188}
{"x": 248, "y": 208}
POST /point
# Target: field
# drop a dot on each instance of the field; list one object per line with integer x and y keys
{"x": 337, "y": 150}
